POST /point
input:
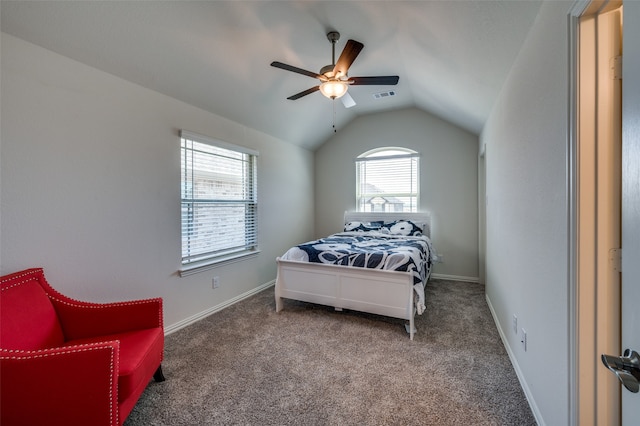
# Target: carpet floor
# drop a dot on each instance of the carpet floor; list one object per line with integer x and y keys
{"x": 311, "y": 365}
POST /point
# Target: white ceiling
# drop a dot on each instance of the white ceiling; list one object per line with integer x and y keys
{"x": 452, "y": 56}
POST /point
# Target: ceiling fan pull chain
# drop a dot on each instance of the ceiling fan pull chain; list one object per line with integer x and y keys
{"x": 333, "y": 101}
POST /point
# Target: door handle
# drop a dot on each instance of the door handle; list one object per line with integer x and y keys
{"x": 626, "y": 368}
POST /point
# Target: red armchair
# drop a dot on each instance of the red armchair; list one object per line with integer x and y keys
{"x": 65, "y": 362}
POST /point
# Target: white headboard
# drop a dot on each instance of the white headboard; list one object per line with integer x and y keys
{"x": 422, "y": 219}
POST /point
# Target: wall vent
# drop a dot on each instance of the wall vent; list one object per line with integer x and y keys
{"x": 382, "y": 95}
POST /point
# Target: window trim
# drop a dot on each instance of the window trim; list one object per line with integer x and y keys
{"x": 196, "y": 266}
{"x": 205, "y": 265}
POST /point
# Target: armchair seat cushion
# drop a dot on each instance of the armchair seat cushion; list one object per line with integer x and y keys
{"x": 140, "y": 353}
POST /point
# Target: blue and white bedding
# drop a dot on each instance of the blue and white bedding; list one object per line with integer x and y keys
{"x": 396, "y": 246}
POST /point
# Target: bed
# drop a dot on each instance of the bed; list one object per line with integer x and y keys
{"x": 327, "y": 272}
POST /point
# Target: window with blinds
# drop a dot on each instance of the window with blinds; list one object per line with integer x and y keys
{"x": 219, "y": 203}
{"x": 387, "y": 180}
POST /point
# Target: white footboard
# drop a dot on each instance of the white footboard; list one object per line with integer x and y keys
{"x": 374, "y": 291}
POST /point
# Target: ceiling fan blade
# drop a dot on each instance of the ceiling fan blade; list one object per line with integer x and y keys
{"x": 348, "y": 55}
{"x": 297, "y": 70}
{"x": 304, "y": 93}
{"x": 347, "y": 100}
{"x": 380, "y": 80}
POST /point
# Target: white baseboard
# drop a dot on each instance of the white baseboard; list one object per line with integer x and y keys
{"x": 527, "y": 392}
{"x": 456, "y": 278}
{"x": 197, "y": 317}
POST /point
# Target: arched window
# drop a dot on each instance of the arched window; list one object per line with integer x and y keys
{"x": 387, "y": 180}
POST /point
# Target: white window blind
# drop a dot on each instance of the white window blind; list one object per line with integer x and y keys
{"x": 387, "y": 180}
{"x": 219, "y": 203}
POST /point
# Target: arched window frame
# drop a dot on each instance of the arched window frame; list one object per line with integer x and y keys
{"x": 387, "y": 179}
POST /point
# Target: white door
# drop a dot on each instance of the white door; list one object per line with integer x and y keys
{"x": 631, "y": 198}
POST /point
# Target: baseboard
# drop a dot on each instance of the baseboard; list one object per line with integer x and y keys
{"x": 516, "y": 367}
{"x": 455, "y": 278}
{"x": 195, "y": 318}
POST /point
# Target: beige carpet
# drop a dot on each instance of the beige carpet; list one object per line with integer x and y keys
{"x": 310, "y": 365}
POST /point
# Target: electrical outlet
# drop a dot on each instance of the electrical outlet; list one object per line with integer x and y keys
{"x": 515, "y": 324}
{"x": 216, "y": 282}
{"x": 523, "y": 340}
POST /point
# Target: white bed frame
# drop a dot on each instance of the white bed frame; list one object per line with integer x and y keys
{"x": 374, "y": 291}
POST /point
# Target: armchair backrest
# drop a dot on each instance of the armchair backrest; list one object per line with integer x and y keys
{"x": 28, "y": 320}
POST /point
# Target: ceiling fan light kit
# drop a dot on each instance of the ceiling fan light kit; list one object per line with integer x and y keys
{"x": 334, "y": 81}
{"x": 334, "y": 89}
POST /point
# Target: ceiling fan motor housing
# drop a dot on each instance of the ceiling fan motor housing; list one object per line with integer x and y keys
{"x": 327, "y": 70}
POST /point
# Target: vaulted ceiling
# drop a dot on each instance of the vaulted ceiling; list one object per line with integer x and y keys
{"x": 452, "y": 56}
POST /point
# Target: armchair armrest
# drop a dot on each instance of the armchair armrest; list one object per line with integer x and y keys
{"x": 81, "y": 319}
{"x": 36, "y": 387}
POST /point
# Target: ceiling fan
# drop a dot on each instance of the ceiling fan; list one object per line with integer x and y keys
{"x": 334, "y": 81}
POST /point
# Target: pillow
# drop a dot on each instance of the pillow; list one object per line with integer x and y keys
{"x": 363, "y": 226}
{"x": 402, "y": 227}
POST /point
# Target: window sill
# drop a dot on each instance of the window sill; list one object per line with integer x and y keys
{"x": 205, "y": 265}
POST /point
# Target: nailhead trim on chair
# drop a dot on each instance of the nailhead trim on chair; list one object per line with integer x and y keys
{"x": 106, "y": 305}
{"x": 84, "y": 347}
{"x": 28, "y": 274}
{"x": 19, "y": 355}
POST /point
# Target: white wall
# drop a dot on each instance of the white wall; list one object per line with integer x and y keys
{"x": 527, "y": 231}
{"x": 90, "y": 173}
{"x": 448, "y": 179}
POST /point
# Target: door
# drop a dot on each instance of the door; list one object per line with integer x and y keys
{"x": 598, "y": 212}
{"x": 629, "y": 366}
{"x": 631, "y": 198}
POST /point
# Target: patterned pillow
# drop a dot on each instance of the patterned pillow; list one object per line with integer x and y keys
{"x": 402, "y": 227}
{"x": 363, "y": 226}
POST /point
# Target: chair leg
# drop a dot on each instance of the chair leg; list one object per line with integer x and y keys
{"x": 158, "y": 376}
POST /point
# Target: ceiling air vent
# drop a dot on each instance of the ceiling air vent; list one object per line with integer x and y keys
{"x": 382, "y": 95}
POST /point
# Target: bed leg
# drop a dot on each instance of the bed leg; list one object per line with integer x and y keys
{"x": 276, "y": 292}
{"x": 410, "y": 327}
